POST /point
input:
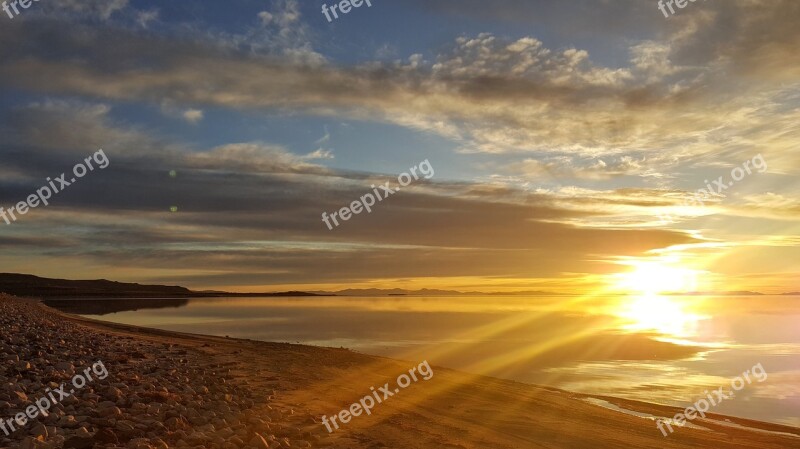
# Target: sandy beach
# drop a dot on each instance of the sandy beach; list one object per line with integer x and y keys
{"x": 167, "y": 389}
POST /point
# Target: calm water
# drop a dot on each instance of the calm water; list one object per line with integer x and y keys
{"x": 655, "y": 349}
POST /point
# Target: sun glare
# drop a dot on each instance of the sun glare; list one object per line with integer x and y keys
{"x": 651, "y": 278}
{"x": 660, "y": 314}
{"x": 646, "y": 309}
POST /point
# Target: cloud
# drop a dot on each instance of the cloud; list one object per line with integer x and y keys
{"x": 767, "y": 205}
{"x": 266, "y": 17}
{"x": 145, "y": 17}
{"x": 190, "y": 115}
{"x": 193, "y": 115}
{"x": 251, "y": 207}
{"x": 491, "y": 94}
{"x": 319, "y": 154}
{"x": 281, "y": 31}
{"x": 326, "y": 138}
{"x": 323, "y": 152}
{"x": 486, "y": 57}
{"x": 41, "y": 126}
{"x": 103, "y": 9}
{"x": 566, "y": 167}
{"x": 254, "y": 157}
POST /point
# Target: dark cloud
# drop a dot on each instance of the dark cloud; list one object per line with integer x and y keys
{"x": 238, "y": 216}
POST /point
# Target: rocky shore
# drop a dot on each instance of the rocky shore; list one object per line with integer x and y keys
{"x": 167, "y": 389}
{"x": 157, "y": 394}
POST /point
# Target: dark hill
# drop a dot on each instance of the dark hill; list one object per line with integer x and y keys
{"x": 29, "y": 285}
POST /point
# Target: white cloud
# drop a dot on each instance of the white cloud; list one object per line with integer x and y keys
{"x": 568, "y": 167}
{"x": 145, "y": 17}
{"x": 318, "y": 154}
{"x": 190, "y": 115}
{"x": 193, "y": 115}
{"x": 266, "y": 17}
{"x": 283, "y": 32}
{"x": 254, "y": 157}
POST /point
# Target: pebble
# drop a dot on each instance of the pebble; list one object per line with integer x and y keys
{"x": 156, "y": 395}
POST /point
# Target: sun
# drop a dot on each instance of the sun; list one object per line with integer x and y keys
{"x": 646, "y": 308}
{"x": 651, "y": 278}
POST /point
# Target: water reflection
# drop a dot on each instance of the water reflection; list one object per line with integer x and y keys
{"x": 662, "y": 314}
{"x": 651, "y": 348}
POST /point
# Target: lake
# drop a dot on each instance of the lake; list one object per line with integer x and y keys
{"x": 667, "y": 350}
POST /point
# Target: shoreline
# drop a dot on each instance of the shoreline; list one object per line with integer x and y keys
{"x": 294, "y": 386}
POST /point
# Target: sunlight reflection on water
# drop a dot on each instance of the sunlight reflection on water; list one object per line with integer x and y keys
{"x": 655, "y": 349}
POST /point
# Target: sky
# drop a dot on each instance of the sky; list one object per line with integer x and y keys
{"x": 568, "y": 141}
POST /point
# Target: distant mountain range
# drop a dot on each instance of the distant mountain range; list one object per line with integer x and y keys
{"x": 34, "y": 286}
{"x": 428, "y": 292}
{"x": 733, "y": 293}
